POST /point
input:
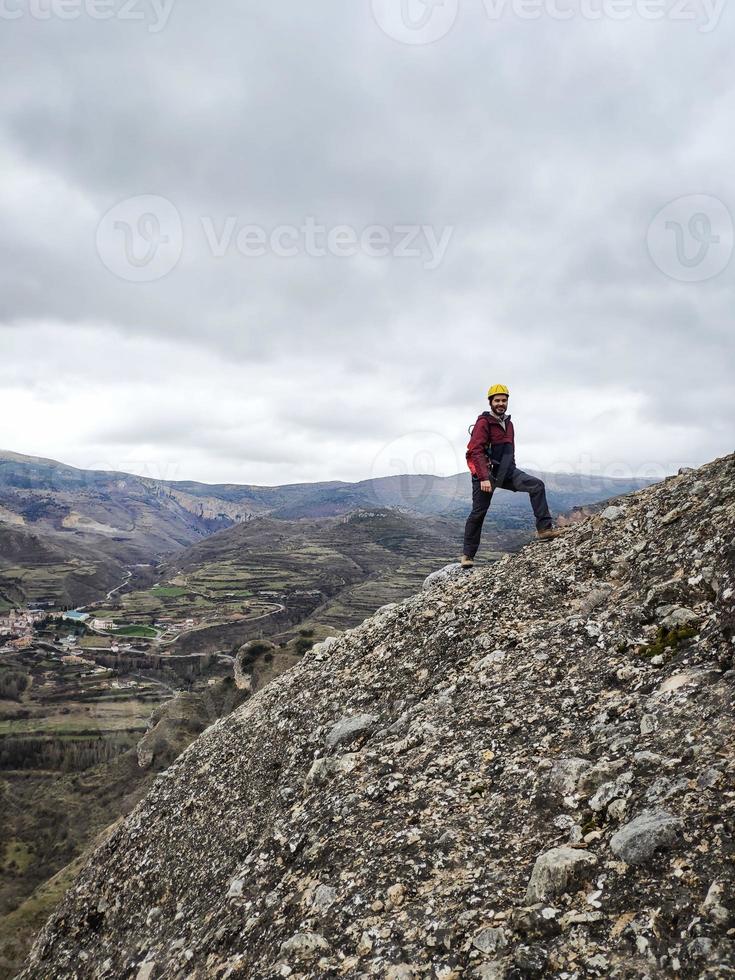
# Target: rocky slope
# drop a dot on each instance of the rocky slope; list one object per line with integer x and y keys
{"x": 520, "y": 772}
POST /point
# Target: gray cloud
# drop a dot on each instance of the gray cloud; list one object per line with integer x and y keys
{"x": 547, "y": 146}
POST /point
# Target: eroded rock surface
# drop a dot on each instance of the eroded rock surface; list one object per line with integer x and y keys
{"x": 543, "y": 705}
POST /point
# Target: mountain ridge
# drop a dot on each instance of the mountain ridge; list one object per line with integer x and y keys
{"x": 520, "y": 772}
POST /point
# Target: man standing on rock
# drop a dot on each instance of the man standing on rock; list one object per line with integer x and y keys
{"x": 491, "y": 460}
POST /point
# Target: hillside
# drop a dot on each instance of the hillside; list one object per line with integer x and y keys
{"x": 383, "y": 552}
{"x": 265, "y": 576}
{"x": 520, "y": 772}
{"x": 37, "y": 566}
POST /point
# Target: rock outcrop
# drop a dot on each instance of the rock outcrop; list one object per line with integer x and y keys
{"x": 538, "y": 781}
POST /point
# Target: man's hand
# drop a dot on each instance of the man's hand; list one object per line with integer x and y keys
{"x": 487, "y": 486}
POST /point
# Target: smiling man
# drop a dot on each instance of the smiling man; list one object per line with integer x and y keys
{"x": 491, "y": 460}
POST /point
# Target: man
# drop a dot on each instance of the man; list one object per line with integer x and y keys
{"x": 491, "y": 460}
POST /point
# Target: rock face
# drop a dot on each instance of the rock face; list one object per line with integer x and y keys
{"x": 173, "y": 724}
{"x": 390, "y": 808}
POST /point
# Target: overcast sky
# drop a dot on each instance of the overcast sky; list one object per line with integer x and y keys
{"x": 280, "y": 242}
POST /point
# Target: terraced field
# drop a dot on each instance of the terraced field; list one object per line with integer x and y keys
{"x": 335, "y": 571}
{"x": 350, "y": 566}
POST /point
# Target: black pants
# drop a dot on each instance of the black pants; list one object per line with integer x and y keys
{"x": 517, "y": 481}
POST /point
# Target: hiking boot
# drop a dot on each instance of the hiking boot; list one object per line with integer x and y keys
{"x": 548, "y": 533}
{"x": 466, "y": 562}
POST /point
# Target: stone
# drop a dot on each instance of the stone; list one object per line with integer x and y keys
{"x": 637, "y": 841}
{"x": 534, "y": 921}
{"x": 611, "y": 791}
{"x": 400, "y": 971}
{"x": 564, "y": 821}
{"x": 603, "y": 772}
{"x": 565, "y": 774}
{"x": 324, "y": 897}
{"x": 396, "y": 894}
{"x": 649, "y": 724}
{"x": 494, "y": 970}
{"x": 304, "y": 946}
{"x": 324, "y": 646}
{"x": 349, "y": 729}
{"x": 489, "y": 940}
{"x": 596, "y": 598}
{"x": 612, "y": 513}
{"x": 490, "y": 660}
{"x": 530, "y": 961}
{"x": 712, "y": 905}
{"x": 388, "y": 607}
{"x": 616, "y": 810}
{"x": 324, "y": 768}
{"x": 676, "y": 616}
{"x": 700, "y": 948}
{"x": 674, "y": 514}
{"x": 443, "y": 574}
{"x": 677, "y": 681}
{"x": 235, "y": 889}
{"x": 556, "y": 871}
{"x": 709, "y": 777}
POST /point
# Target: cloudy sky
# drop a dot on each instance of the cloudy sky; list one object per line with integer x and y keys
{"x": 274, "y": 242}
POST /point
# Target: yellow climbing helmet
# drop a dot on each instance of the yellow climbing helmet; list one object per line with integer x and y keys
{"x": 497, "y": 390}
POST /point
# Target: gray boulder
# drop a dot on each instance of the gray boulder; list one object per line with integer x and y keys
{"x": 677, "y": 616}
{"x": 556, "y": 871}
{"x": 443, "y": 575}
{"x": 636, "y": 842}
{"x": 349, "y": 729}
{"x": 488, "y": 940}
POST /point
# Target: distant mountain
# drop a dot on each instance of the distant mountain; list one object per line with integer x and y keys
{"x": 449, "y": 496}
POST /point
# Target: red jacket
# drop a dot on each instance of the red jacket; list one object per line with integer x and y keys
{"x": 491, "y": 447}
